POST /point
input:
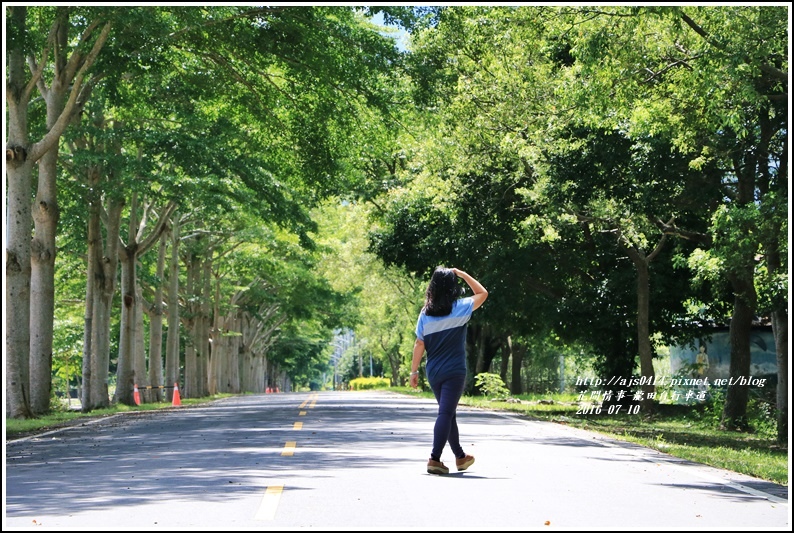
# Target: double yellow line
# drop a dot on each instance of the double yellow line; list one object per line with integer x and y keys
{"x": 269, "y": 505}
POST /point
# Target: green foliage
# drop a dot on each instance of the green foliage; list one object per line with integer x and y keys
{"x": 491, "y": 385}
{"x": 67, "y": 357}
{"x": 383, "y": 302}
{"x": 761, "y": 415}
{"x": 713, "y": 408}
{"x": 530, "y": 148}
{"x": 369, "y": 383}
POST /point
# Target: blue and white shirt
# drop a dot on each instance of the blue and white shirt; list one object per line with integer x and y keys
{"x": 445, "y": 340}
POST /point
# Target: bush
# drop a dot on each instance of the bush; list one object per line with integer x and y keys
{"x": 369, "y": 383}
{"x": 491, "y": 385}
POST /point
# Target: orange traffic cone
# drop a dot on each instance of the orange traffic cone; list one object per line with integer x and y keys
{"x": 136, "y": 395}
{"x": 177, "y": 400}
{"x": 267, "y": 390}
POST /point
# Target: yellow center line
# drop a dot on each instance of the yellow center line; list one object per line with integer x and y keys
{"x": 301, "y": 406}
{"x": 269, "y": 504}
{"x": 302, "y": 413}
{"x": 297, "y": 425}
{"x": 289, "y": 448}
{"x": 314, "y": 401}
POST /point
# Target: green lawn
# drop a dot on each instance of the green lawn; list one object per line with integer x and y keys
{"x": 687, "y": 434}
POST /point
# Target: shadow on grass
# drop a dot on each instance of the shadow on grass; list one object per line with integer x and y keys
{"x": 653, "y": 428}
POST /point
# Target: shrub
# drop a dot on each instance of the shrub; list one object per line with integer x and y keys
{"x": 491, "y": 385}
{"x": 369, "y": 383}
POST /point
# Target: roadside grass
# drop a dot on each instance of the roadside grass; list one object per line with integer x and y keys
{"x": 687, "y": 434}
{"x": 15, "y": 428}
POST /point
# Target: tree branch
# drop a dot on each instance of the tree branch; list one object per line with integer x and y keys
{"x": 765, "y": 68}
{"x": 670, "y": 228}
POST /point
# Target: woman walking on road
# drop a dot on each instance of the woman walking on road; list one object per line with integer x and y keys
{"x": 441, "y": 332}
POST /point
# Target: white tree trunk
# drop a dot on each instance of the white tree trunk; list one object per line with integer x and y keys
{"x": 17, "y": 282}
{"x": 215, "y": 377}
{"x": 132, "y": 357}
{"x": 191, "y": 294}
{"x": 139, "y": 353}
{"x": 125, "y": 368}
{"x": 172, "y": 341}
{"x": 19, "y": 168}
{"x": 42, "y": 276}
{"x": 105, "y": 259}
{"x": 203, "y": 339}
{"x": 156, "y": 326}
{"x": 125, "y": 372}
{"x": 233, "y": 355}
{"x": 20, "y": 156}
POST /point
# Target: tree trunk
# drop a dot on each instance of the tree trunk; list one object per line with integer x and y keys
{"x": 19, "y": 169}
{"x": 734, "y": 413}
{"x": 485, "y": 346}
{"x": 741, "y": 276}
{"x": 139, "y": 346}
{"x": 20, "y": 156}
{"x": 253, "y": 364}
{"x": 172, "y": 341}
{"x": 156, "y": 325}
{"x": 45, "y": 222}
{"x": 94, "y": 273}
{"x": 132, "y": 356}
{"x": 643, "y": 336}
{"x": 125, "y": 370}
{"x": 91, "y": 273}
{"x": 42, "y": 276}
{"x": 479, "y": 366}
{"x": 394, "y": 356}
{"x": 126, "y": 377}
{"x": 205, "y": 318}
{"x": 505, "y": 363}
{"x": 517, "y": 356}
{"x": 780, "y": 330}
{"x": 105, "y": 259}
{"x": 17, "y": 282}
{"x": 253, "y": 349}
{"x": 191, "y": 320}
{"x": 247, "y": 368}
{"x": 216, "y": 375}
{"x": 642, "y": 263}
{"x": 233, "y": 356}
{"x": 217, "y": 356}
{"x": 773, "y": 243}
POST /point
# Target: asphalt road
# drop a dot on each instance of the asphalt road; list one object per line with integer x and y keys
{"x": 356, "y": 461}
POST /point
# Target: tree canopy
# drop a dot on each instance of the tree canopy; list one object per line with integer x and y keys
{"x": 238, "y": 184}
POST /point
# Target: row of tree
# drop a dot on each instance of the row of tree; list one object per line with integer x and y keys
{"x": 206, "y": 135}
{"x": 616, "y": 176}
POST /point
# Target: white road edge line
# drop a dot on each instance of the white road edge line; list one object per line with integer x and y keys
{"x": 713, "y": 479}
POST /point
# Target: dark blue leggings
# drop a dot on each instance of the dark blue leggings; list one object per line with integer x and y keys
{"x": 448, "y": 393}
